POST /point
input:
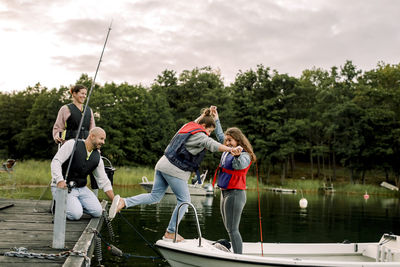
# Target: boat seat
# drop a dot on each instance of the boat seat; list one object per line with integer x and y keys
{"x": 389, "y": 252}
{"x": 8, "y": 165}
{"x": 8, "y": 168}
{"x": 370, "y": 251}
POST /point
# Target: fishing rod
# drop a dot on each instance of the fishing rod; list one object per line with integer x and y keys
{"x": 86, "y": 105}
{"x": 83, "y": 115}
{"x": 259, "y": 211}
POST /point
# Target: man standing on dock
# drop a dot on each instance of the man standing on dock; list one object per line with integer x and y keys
{"x": 86, "y": 159}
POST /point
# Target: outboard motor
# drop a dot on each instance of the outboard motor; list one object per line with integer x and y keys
{"x": 109, "y": 169}
{"x": 209, "y": 189}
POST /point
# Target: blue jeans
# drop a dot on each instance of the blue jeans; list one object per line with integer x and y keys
{"x": 81, "y": 200}
{"x": 161, "y": 183}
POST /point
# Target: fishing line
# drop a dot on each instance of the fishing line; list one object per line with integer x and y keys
{"x": 144, "y": 239}
{"x": 118, "y": 252}
{"x": 259, "y": 211}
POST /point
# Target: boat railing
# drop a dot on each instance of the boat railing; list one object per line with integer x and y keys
{"x": 145, "y": 180}
{"x": 197, "y": 221}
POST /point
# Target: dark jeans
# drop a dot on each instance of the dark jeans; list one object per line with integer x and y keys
{"x": 232, "y": 204}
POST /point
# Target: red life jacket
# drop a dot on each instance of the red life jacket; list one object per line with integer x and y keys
{"x": 177, "y": 153}
{"x": 192, "y": 128}
{"x": 230, "y": 178}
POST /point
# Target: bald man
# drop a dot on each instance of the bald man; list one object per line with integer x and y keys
{"x": 86, "y": 160}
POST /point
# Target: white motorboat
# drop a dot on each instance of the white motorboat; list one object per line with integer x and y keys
{"x": 204, "y": 253}
{"x": 386, "y": 252}
{"x": 194, "y": 189}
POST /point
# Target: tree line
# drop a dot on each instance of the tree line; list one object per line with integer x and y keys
{"x": 338, "y": 117}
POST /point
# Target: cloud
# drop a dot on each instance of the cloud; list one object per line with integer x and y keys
{"x": 57, "y": 40}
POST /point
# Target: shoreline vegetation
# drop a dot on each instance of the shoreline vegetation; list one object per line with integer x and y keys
{"x": 37, "y": 173}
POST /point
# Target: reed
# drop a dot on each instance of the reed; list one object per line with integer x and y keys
{"x": 35, "y": 172}
{"x": 127, "y": 176}
{"x": 32, "y": 172}
{"x": 315, "y": 185}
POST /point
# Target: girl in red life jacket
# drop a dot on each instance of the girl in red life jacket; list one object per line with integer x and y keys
{"x": 232, "y": 169}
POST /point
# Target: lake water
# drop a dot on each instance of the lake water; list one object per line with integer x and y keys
{"x": 328, "y": 218}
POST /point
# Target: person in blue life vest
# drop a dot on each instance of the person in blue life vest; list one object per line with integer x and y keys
{"x": 69, "y": 117}
{"x": 182, "y": 156}
{"x": 86, "y": 160}
{"x": 231, "y": 174}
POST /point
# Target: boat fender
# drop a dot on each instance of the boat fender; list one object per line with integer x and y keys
{"x": 115, "y": 251}
{"x": 222, "y": 244}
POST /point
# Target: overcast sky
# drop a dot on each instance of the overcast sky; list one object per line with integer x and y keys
{"x": 54, "y": 41}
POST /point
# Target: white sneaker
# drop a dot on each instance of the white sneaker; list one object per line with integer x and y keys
{"x": 113, "y": 209}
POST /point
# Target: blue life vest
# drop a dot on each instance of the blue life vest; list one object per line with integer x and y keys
{"x": 177, "y": 153}
{"x": 228, "y": 177}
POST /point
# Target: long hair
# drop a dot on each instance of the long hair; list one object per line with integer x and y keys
{"x": 242, "y": 141}
{"x": 206, "y": 118}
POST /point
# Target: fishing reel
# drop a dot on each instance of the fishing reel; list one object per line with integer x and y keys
{"x": 70, "y": 185}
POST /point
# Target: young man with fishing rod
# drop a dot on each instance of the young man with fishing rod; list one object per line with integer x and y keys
{"x": 86, "y": 159}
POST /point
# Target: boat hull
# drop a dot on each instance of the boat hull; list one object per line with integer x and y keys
{"x": 188, "y": 253}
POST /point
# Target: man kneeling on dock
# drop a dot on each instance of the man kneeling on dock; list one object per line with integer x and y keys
{"x": 86, "y": 159}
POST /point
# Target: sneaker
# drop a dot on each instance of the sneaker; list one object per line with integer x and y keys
{"x": 113, "y": 209}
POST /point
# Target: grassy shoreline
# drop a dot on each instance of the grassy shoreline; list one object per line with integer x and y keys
{"x": 37, "y": 173}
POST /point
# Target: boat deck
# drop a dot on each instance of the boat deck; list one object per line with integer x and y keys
{"x": 28, "y": 224}
{"x": 344, "y": 258}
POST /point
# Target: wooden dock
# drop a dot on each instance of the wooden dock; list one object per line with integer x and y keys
{"x": 283, "y": 190}
{"x": 28, "y": 224}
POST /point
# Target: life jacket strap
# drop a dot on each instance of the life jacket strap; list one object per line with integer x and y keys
{"x": 215, "y": 175}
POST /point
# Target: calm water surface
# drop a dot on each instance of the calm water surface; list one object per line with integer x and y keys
{"x": 328, "y": 218}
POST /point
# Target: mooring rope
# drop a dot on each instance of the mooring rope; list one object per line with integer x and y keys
{"x": 141, "y": 236}
{"x": 118, "y": 252}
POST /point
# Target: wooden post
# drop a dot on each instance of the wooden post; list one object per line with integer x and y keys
{"x": 60, "y": 218}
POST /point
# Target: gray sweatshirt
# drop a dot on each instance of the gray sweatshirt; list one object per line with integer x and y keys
{"x": 195, "y": 144}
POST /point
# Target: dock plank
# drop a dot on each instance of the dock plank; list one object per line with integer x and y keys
{"x": 28, "y": 223}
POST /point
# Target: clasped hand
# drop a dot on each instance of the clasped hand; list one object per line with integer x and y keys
{"x": 236, "y": 151}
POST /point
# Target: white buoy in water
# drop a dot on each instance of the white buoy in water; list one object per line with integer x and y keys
{"x": 303, "y": 203}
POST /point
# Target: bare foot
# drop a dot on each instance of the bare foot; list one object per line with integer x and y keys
{"x": 168, "y": 235}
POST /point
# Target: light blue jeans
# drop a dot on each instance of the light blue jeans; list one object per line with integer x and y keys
{"x": 79, "y": 201}
{"x": 161, "y": 183}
